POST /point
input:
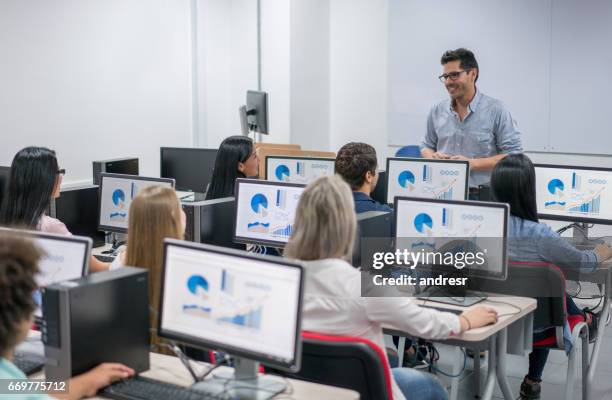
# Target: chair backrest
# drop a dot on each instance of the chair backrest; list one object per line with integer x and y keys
{"x": 543, "y": 281}
{"x": 409, "y": 151}
{"x": 345, "y": 361}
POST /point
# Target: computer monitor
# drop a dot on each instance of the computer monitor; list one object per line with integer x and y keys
{"x": 374, "y": 233}
{"x": 116, "y": 194}
{"x": 427, "y": 178}
{"x": 77, "y": 208}
{"x": 574, "y": 194}
{"x": 380, "y": 191}
{"x": 243, "y": 304}
{"x": 65, "y": 258}
{"x": 301, "y": 170}
{"x": 5, "y": 175}
{"x": 191, "y": 168}
{"x": 127, "y": 166}
{"x": 257, "y": 111}
{"x": 265, "y": 211}
{"x": 433, "y": 224}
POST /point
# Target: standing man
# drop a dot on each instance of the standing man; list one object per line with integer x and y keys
{"x": 469, "y": 125}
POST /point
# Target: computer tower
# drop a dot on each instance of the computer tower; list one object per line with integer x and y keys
{"x": 377, "y": 228}
{"x": 78, "y": 209}
{"x": 211, "y": 222}
{"x": 102, "y": 317}
{"x": 128, "y": 165}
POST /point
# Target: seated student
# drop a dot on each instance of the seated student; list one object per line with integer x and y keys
{"x": 356, "y": 163}
{"x": 236, "y": 158}
{"x": 155, "y": 214}
{"x": 19, "y": 260}
{"x": 513, "y": 182}
{"x": 322, "y": 238}
{"x": 36, "y": 179}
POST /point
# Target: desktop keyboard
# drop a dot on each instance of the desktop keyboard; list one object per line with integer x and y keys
{"x": 144, "y": 388}
{"x": 105, "y": 259}
{"x": 28, "y": 363}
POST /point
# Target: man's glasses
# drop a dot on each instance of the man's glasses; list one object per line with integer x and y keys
{"x": 61, "y": 172}
{"x": 452, "y": 75}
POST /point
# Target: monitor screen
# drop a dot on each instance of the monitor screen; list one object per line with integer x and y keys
{"x": 191, "y": 168}
{"x": 116, "y": 194}
{"x": 426, "y": 178}
{"x": 432, "y": 224}
{"x": 65, "y": 258}
{"x": 301, "y": 170}
{"x": 265, "y": 211}
{"x": 574, "y": 194}
{"x": 243, "y": 304}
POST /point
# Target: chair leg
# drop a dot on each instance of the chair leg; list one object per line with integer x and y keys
{"x": 569, "y": 381}
{"x": 585, "y": 363}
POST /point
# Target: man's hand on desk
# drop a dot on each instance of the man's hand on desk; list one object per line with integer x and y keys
{"x": 477, "y": 317}
{"x": 440, "y": 156}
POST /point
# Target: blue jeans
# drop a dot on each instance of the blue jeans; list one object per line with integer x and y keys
{"x": 417, "y": 385}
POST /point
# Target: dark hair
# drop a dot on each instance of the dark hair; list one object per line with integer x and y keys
{"x": 465, "y": 57}
{"x": 353, "y": 161}
{"x": 233, "y": 150}
{"x": 513, "y": 182}
{"x": 18, "y": 267}
{"x": 33, "y": 179}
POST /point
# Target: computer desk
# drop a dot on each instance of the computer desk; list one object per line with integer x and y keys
{"x": 170, "y": 369}
{"x": 492, "y": 337}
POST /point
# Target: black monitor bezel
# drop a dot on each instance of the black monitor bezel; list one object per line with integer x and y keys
{"x": 245, "y": 240}
{"x": 103, "y": 175}
{"x": 476, "y": 273}
{"x": 430, "y": 160}
{"x": 562, "y": 218}
{"x": 305, "y": 158}
{"x": 186, "y": 149}
{"x": 293, "y": 365}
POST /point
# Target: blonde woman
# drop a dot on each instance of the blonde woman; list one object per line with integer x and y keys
{"x": 155, "y": 214}
{"x": 323, "y": 238}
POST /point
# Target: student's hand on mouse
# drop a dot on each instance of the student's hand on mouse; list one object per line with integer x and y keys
{"x": 88, "y": 384}
{"x": 603, "y": 251}
{"x": 477, "y": 317}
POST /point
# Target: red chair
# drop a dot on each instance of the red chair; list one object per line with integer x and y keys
{"x": 348, "y": 362}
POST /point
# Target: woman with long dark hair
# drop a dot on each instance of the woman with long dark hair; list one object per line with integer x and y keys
{"x": 35, "y": 180}
{"x": 513, "y": 181}
{"x": 236, "y": 158}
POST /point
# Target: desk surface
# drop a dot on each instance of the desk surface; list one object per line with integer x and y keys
{"x": 169, "y": 369}
{"x": 509, "y": 314}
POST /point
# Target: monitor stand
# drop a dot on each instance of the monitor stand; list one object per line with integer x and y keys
{"x": 244, "y": 383}
{"x": 581, "y": 235}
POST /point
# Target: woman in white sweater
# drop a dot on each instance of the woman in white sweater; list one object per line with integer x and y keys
{"x": 323, "y": 237}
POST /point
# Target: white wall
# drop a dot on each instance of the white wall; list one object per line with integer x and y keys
{"x": 276, "y": 60}
{"x": 358, "y": 73}
{"x": 95, "y": 80}
{"x": 227, "y": 65}
{"x": 310, "y": 74}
